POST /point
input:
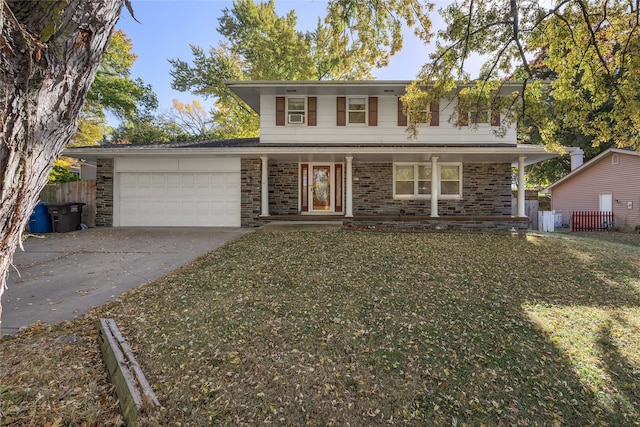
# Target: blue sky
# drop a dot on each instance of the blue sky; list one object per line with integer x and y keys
{"x": 168, "y": 27}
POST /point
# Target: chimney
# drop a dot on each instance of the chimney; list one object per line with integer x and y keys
{"x": 576, "y": 158}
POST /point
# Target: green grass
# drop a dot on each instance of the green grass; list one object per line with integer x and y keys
{"x": 357, "y": 328}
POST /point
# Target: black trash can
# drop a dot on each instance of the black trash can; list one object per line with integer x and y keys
{"x": 65, "y": 217}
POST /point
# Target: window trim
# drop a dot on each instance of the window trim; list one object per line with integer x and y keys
{"x": 434, "y": 115}
{"x": 415, "y": 195}
{"x": 471, "y": 114}
{"x": 305, "y": 113}
{"x": 348, "y": 110}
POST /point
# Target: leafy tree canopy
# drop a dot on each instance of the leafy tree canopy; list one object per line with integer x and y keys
{"x": 261, "y": 45}
{"x": 184, "y": 122}
{"x": 193, "y": 119}
{"x": 113, "y": 89}
{"x": 590, "y": 47}
{"x": 62, "y": 172}
{"x": 148, "y": 129}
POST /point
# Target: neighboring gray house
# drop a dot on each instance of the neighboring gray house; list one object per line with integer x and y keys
{"x": 328, "y": 150}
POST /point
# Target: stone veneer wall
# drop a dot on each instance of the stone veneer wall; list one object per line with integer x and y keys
{"x": 283, "y": 188}
{"x": 104, "y": 193}
{"x": 250, "y": 175}
{"x": 440, "y": 223}
{"x": 486, "y": 191}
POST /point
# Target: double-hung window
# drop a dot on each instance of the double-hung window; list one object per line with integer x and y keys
{"x": 296, "y": 110}
{"x": 413, "y": 180}
{"x": 450, "y": 182}
{"x": 357, "y": 110}
{"x": 479, "y": 113}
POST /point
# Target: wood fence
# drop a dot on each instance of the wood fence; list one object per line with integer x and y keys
{"x": 591, "y": 221}
{"x": 74, "y": 192}
{"x": 531, "y": 208}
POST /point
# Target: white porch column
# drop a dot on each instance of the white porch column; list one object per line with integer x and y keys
{"x": 348, "y": 209}
{"x": 434, "y": 187}
{"x": 264, "y": 186}
{"x": 521, "y": 186}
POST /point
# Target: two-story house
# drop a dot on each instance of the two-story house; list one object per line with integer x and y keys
{"x": 335, "y": 150}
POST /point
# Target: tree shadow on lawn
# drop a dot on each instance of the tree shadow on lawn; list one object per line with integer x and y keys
{"x": 513, "y": 370}
{"x": 370, "y": 329}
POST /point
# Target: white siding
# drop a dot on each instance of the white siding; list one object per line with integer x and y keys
{"x": 387, "y": 131}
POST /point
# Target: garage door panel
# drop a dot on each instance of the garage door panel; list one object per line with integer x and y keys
{"x": 179, "y": 199}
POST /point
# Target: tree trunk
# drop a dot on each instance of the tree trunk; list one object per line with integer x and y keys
{"x": 49, "y": 53}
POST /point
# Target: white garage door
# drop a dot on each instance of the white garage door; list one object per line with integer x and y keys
{"x": 174, "y": 198}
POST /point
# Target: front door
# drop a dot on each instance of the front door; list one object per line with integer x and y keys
{"x": 321, "y": 187}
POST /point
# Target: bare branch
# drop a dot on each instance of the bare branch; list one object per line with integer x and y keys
{"x": 466, "y": 39}
{"x": 516, "y": 35}
{"x": 592, "y": 34}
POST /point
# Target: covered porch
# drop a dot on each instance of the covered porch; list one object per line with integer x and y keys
{"x": 364, "y": 187}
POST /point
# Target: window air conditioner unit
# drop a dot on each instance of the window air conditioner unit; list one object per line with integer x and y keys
{"x": 296, "y": 118}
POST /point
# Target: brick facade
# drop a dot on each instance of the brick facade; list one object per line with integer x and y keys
{"x": 250, "y": 175}
{"x": 486, "y": 190}
{"x": 486, "y": 195}
{"x": 104, "y": 193}
{"x": 283, "y": 188}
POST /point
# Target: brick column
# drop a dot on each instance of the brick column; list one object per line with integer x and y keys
{"x": 104, "y": 193}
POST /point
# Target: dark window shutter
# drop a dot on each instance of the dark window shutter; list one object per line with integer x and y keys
{"x": 402, "y": 118}
{"x": 435, "y": 114}
{"x": 341, "y": 116}
{"x": 463, "y": 116}
{"x": 312, "y": 108}
{"x": 495, "y": 114}
{"x": 495, "y": 118}
{"x": 373, "y": 111}
{"x": 280, "y": 111}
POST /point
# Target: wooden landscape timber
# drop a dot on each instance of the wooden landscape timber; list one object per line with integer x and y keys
{"x": 134, "y": 392}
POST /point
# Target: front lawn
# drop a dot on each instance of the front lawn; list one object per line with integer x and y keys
{"x": 364, "y": 328}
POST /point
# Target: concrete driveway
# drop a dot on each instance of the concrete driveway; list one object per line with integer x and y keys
{"x": 63, "y": 275}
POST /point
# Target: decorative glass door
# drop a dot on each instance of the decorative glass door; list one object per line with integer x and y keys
{"x": 321, "y": 188}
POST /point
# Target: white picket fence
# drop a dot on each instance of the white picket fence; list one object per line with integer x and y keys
{"x": 549, "y": 220}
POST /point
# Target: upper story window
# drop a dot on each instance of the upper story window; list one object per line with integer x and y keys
{"x": 296, "y": 110}
{"x": 357, "y": 110}
{"x": 413, "y": 180}
{"x": 478, "y": 113}
{"x": 433, "y": 112}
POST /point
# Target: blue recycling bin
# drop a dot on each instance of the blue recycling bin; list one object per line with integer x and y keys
{"x": 40, "y": 220}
